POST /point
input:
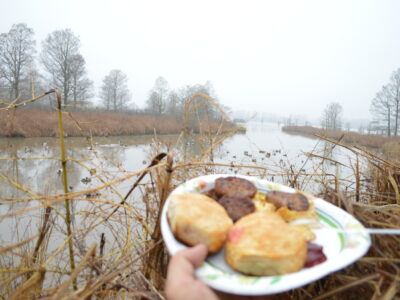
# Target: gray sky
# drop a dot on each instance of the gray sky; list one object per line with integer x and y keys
{"x": 283, "y": 57}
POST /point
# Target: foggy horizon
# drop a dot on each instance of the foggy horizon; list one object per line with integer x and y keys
{"x": 286, "y": 58}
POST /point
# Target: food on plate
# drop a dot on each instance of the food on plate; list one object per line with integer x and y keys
{"x": 212, "y": 194}
{"x": 237, "y": 206}
{"x": 292, "y": 206}
{"x": 315, "y": 255}
{"x": 234, "y": 186}
{"x": 291, "y": 215}
{"x": 264, "y": 244}
{"x": 305, "y": 231}
{"x": 235, "y": 195}
{"x": 261, "y": 204}
{"x": 251, "y": 224}
{"x": 293, "y": 201}
{"x": 198, "y": 219}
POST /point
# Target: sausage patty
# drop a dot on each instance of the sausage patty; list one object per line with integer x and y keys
{"x": 237, "y": 206}
{"x": 295, "y": 201}
{"x": 212, "y": 194}
{"x": 234, "y": 186}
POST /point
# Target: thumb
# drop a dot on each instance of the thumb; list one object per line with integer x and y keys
{"x": 184, "y": 262}
{"x": 195, "y": 255}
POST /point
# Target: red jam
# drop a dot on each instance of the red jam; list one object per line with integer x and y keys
{"x": 315, "y": 255}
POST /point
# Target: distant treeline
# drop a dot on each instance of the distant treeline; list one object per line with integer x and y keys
{"x": 25, "y": 73}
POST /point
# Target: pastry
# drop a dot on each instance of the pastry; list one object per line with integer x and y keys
{"x": 198, "y": 219}
{"x": 263, "y": 244}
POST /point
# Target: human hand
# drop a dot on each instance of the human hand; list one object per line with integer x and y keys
{"x": 182, "y": 283}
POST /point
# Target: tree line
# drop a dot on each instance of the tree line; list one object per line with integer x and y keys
{"x": 25, "y": 73}
{"x": 385, "y": 107}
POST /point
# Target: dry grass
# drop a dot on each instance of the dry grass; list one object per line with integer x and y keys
{"x": 41, "y": 123}
{"x": 116, "y": 237}
{"x": 391, "y": 150}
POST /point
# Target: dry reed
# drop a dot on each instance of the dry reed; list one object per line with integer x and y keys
{"x": 40, "y": 123}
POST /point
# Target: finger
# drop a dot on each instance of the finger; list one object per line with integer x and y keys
{"x": 184, "y": 262}
{"x": 195, "y": 255}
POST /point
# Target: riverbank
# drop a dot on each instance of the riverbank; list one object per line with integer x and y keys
{"x": 40, "y": 123}
{"x": 349, "y": 137}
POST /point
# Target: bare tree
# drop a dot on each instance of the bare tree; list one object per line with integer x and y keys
{"x": 381, "y": 109}
{"x": 157, "y": 101}
{"x": 114, "y": 91}
{"x": 206, "y": 110}
{"x": 82, "y": 87}
{"x": 394, "y": 87}
{"x": 17, "y": 50}
{"x": 174, "y": 104}
{"x": 385, "y": 107}
{"x": 332, "y": 116}
{"x": 60, "y": 51}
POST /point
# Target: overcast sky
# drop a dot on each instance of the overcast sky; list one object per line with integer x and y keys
{"x": 283, "y": 57}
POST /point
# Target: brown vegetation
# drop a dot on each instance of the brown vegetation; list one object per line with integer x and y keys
{"x": 348, "y": 137}
{"x": 36, "y": 123}
{"x": 133, "y": 262}
{"x": 116, "y": 237}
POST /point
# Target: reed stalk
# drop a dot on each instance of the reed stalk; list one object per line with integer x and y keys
{"x": 68, "y": 220}
{"x": 156, "y": 268}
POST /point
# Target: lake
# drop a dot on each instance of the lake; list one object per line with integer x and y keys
{"x": 30, "y": 166}
{"x": 34, "y": 162}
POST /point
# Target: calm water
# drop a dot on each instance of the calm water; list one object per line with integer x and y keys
{"x": 30, "y": 166}
{"x": 33, "y": 162}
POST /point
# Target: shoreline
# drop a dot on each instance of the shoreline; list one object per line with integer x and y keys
{"x": 349, "y": 137}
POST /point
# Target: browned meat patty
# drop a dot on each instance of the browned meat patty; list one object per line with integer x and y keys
{"x": 212, "y": 194}
{"x": 237, "y": 206}
{"x": 234, "y": 186}
{"x": 293, "y": 201}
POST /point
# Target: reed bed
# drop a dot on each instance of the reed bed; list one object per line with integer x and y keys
{"x": 115, "y": 233}
{"x": 42, "y": 123}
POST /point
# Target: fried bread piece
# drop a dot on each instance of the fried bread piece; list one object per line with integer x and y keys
{"x": 306, "y": 231}
{"x": 263, "y": 244}
{"x": 198, "y": 219}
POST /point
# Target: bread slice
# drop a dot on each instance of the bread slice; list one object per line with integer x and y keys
{"x": 263, "y": 244}
{"x": 198, "y": 219}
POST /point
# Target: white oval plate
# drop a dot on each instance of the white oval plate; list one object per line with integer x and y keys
{"x": 341, "y": 248}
